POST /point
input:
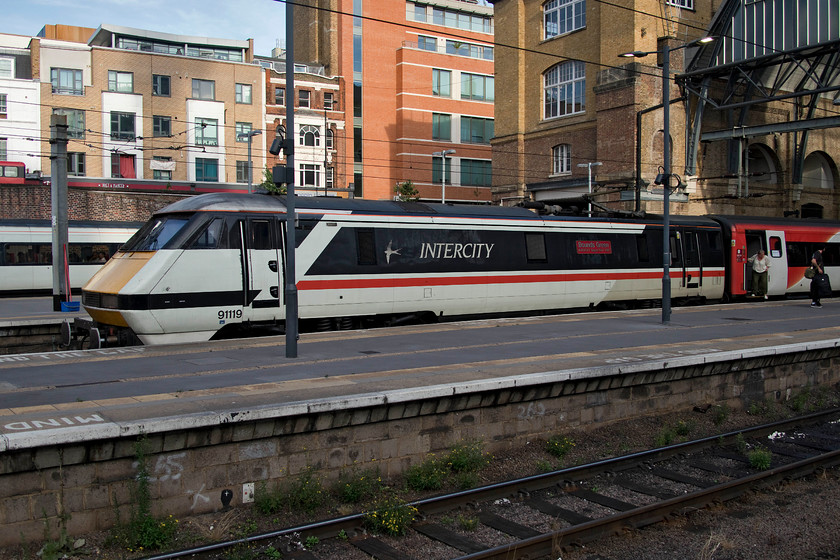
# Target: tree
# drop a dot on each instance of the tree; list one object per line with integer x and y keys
{"x": 269, "y": 184}
{"x": 406, "y": 192}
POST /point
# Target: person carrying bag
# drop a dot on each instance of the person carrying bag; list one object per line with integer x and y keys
{"x": 820, "y": 283}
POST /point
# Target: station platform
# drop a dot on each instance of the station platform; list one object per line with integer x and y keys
{"x": 204, "y": 383}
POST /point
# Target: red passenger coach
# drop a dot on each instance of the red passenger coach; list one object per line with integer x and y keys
{"x": 14, "y": 173}
{"x": 789, "y": 245}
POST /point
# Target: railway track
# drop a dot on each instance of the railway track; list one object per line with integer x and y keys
{"x": 540, "y": 516}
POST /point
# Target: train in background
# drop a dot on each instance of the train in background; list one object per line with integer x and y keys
{"x": 14, "y": 173}
{"x": 26, "y": 253}
{"x": 213, "y": 264}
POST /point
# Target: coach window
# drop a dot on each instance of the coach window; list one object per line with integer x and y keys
{"x": 261, "y": 234}
{"x": 642, "y": 253}
{"x": 776, "y": 247}
{"x": 676, "y": 254}
{"x": 535, "y": 248}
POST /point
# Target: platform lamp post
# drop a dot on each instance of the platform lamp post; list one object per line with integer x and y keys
{"x": 664, "y": 178}
{"x": 443, "y": 155}
{"x": 589, "y": 166}
{"x": 250, "y": 137}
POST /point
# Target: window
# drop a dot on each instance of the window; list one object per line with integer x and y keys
{"x": 4, "y": 150}
{"x": 241, "y": 171}
{"x": 122, "y": 82}
{"x": 206, "y": 132}
{"x": 206, "y": 169}
{"x": 441, "y": 82}
{"x": 242, "y": 128}
{"x": 161, "y": 125}
{"x": 122, "y": 166}
{"x": 7, "y": 68}
{"x": 310, "y": 135}
{"x": 535, "y": 247}
{"x": 161, "y": 174}
{"x": 563, "y": 16}
{"x": 66, "y": 81}
{"x": 461, "y": 48}
{"x": 310, "y": 175}
{"x": 476, "y": 130}
{"x": 303, "y": 98}
{"x": 4, "y": 107}
{"x": 161, "y": 85}
{"x": 122, "y": 126}
{"x": 329, "y": 100}
{"x": 329, "y": 181}
{"x": 426, "y": 43}
{"x": 564, "y": 89}
{"x": 75, "y": 121}
{"x": 476, "y": 172}
{"x": 280, "y": 96}
{"x": 441, "y": 127}
{"x": 477, "y": 87}
{"x": 243, "y": 93}
{"x": 687, "y": 4}
{"x": 76, "y": 164}
{"x": 419, "y": 12}
{"x": 210, "y": 236}
{"x": 203, "y": 89}
{"x": 561, "y": 159}
{"x": 330, "y": 140}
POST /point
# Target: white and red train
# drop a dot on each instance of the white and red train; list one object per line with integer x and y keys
{"x": 215, "y": 262}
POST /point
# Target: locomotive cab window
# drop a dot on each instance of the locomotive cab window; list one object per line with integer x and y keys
{"x": 209, "y": 236}
{"x": 156, "y": 234}
{"x": 261, "y": 237}
{"x": 535, "y": 248}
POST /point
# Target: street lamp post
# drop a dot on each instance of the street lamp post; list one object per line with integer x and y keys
{"x": 665, "y": 178}
{"x": 443, "y": 155}
{"x": 250, "y": 137}
{"x": 589, "y": 166}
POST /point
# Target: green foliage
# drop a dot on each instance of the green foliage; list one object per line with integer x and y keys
{"x": 390, "y": 516}
{"x": 358, "y": 485}
{"x": 559, "y": 446}
{"x": 306, "y": 493}
{"x": 670, "y": 434}
{"x": 268, "y": 182}
{"x": 428, "y": 475}
{"x": 467, "y": 457}
{"x": 760, "y": 458}
{"x": 311, "y": 542}
{"x": 740, "y": 443}
{"x": 544, "y": 466}
{"x": 268, "y": 500}
{"x": 406, "y": 192}
{"x": 143, "y": 531}
{"x": 721, "y": 413}
{"x": 468, "y": 522}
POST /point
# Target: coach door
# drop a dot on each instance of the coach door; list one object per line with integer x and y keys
{"x": 778, "y": 276}
{"x": 692, "y": 267}
{"x": 263, "y": 270}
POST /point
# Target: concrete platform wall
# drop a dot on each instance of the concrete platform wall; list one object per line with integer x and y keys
{"x": 88, "y": 473}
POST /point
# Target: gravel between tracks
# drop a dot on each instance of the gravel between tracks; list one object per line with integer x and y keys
{"x": 797, "y": 520}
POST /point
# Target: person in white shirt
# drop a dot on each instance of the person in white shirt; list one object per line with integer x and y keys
{"x": 760, "y": 270}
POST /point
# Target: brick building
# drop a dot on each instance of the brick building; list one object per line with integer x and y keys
{"x": 422, "y": 84}
{"x": 573, "y": 102}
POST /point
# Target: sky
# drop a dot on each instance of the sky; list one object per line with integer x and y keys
{"x": 262, "y": 20}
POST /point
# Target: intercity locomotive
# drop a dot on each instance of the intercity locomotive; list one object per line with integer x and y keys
{"x": 214, "y": 263}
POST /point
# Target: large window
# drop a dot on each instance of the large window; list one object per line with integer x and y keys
{"x": 203, "y": 89}
{"x": 329, "y": 100}
{"x": 280, "y": 96}
{"x": 563, "y": 16}
{"x": 4, "y": 104}
{"x": 122, "y": 82}
{"x": 426, "y": 43}
{"x": 476, "y": 173}
{"x": 441, "y": 127}
{"x": 161, "y": 174}
{"x": 7, "y": 67}
{"x": 66, "y": 81}
{"x": 687, "y": 4}
{"x": 304, "y": 98}
{"x": 477, "y": 87}
{"x": 476, "y": 130}
{"x": 565, "y": 89}
{"x": 241, "y": 171}
{"x": 161, "y": 85}
{"x": 206, "y": 169}
{"x": 243, "y": 93}
{"x": 441, "y": 82}
{"x": 122, "y": 126}
{"x": 75, "y": 121}
{"x": 438, "y": 171}
{"x": 161, "y": 125}
{"x": 461, "y": 48}
{"x": 123, "y": 166}
{"x": 206, "y": 132}
{"x": 561, "y": 159}
{"x": 310, "y": 175}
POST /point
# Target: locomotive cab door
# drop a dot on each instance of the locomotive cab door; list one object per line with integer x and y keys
{"x": 685, "y": 255}
{"x": 263, "y": 271}
{"x": 777, "y": 280}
